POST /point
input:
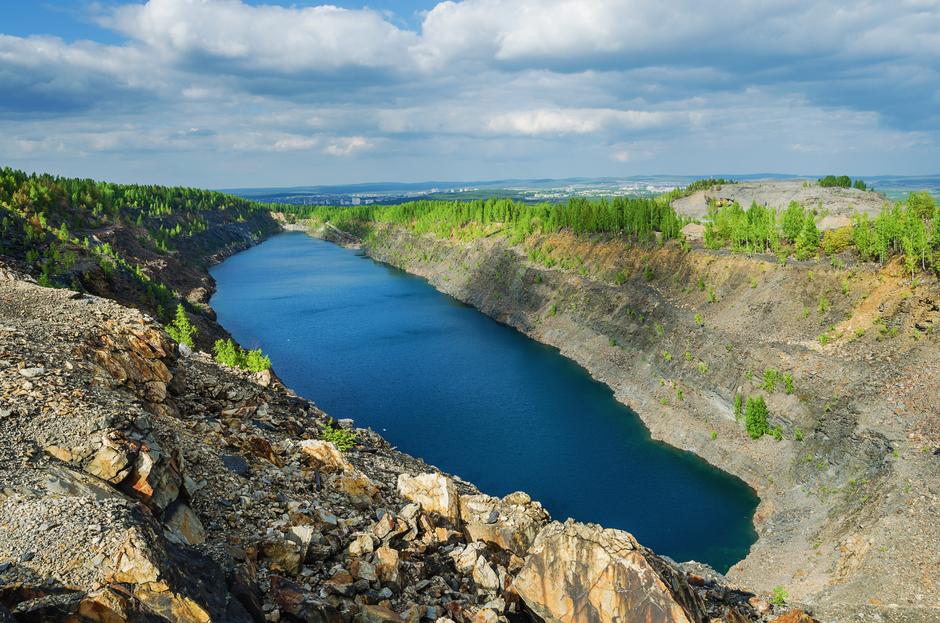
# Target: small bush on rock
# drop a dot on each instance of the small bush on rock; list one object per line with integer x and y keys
{"x": 181, "y": 330}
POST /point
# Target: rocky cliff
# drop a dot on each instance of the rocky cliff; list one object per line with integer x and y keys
{"x": 137, "y": 484}
{"x": 845, "y": 355}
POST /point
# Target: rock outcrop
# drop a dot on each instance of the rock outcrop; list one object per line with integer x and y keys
{"x": 578, "y": 573}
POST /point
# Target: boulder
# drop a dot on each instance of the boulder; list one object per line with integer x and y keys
{"x": 185, "y": 524}
{"x": 282, "y": 555}
{"x": 510, "y": 524}
{"x": 582, "y": 573}
{"x": 324, "y": 455}
{"x": 361, "y": 491}
{"x": 387, "y": 561}
{"x": 377, "y": 614}
{"x": 435, "y": 493}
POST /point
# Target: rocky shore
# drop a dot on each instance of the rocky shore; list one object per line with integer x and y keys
{"x": 141, "y": 484}
{"x": 850, "y": 491}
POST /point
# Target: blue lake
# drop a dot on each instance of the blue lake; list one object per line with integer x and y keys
{"x": 442, "y": 381}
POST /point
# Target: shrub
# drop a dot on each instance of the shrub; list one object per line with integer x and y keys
{"x": 823, "y": 306}
{"x": 776, "y": 433}
{"x": 738, "y": 406}
{"x": 648, "y": 273}
{"x": 181, "y": 330}
{"x": 779, "y": 596}
{"x": 342, "y": 438}
{"x": 667, "y": 356}
{"x": 698, "y": 319}
{"x": 770, "y": 380}
{"x": 788, "y": 383}
{"x": 621, "y": 278}
{"x": 227, "y": 353}
{"x": 755, "y": 417}
{"x": 798, "y": 434}
{"x": 837, "y": 240}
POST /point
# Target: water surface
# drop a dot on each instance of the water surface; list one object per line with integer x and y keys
{"x": 444, "y": 382}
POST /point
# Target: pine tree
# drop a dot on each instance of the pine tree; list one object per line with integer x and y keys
{"x": 807, "y": 243}
{"x": 181, "y": 329}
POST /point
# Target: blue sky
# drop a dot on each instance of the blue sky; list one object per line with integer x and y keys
{"x": 227, "y": 93}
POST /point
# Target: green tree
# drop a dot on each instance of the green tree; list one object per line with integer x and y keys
{"x": 793, "y": 218}
{"x": 181, "y": 329}
{"x": 807, "y": 243}
{"x": 755, "y": 417}
{"x": 922, "y": 204}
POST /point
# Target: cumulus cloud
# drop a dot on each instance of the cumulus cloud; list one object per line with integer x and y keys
{"x": 606, "y": 85}
{"x": 238, "y": 36}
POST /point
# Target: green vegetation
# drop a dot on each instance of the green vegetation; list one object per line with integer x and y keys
{"x": 343, "y": 439}
{"x": 228, "y": 353}
{"x": 842, "y": 181}
{"x": 65, "y": 232}
{"x": 181, "y": 330}
{"x": 738, "y": 406}
{"x": 638, "y": 218}
{"x": 755, "y": 417}
{"x": 771, "y": 377}
{"x": 779, "y": 596}
{"x": 798, "y": 433}
{"x": 788, "y": 383}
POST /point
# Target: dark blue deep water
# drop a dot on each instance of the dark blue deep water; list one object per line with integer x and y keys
{"x": 444, "y": 382}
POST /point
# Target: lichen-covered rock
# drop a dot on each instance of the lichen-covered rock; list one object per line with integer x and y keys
{"x": 435, "y": 493}
{"x": 582, "y": 573}
{"x": 510, "y": 524}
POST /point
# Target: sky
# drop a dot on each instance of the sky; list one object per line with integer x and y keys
{"x": 239, "y": 93}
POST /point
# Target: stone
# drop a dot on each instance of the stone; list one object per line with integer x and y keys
{"x": 303, "y": 537}
{"x": 282, "y": 555}
{"x": 363, "y": 570}
{"x": 387, "y": 564}
{"x": 794, "y": 616}
{"x": 435, "y": 493}
{"x": 235, "y": 464}
{"x": 342, "y": 583}
{"x": 510, "y": 524}
{"x": 184, "y": 522}
{"x": 362, "y": 492}
{"x": 109, "y": 464}
{"x": 361, "y": 545}
{"x": 324, "y": 455}
{"x": 484, "y": 576}
{"x": 377, "y": 614}
{"x": 582, "y": 573}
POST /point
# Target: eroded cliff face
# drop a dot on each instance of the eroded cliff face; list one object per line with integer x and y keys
{"x": 137, "y": 484}
{"x": 850, "y": 491}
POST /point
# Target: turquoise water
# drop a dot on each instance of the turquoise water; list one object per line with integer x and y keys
{"x": 444, "y": 382}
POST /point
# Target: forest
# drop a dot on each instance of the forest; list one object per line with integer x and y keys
{"x": 639, "y": 218}
{"x": 63, "y": 230}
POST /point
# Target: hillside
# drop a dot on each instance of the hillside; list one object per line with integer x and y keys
{"x": 144, "y": 482}
{"x": 145, "y": 246}
{"x": 843, "y": 352}
{"x": 838, "y": 204}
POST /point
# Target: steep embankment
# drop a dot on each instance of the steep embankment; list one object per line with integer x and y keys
{"x": 137, "y": 484}
{"x": 850, "y": 492}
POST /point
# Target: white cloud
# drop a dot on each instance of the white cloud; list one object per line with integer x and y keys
{"x": 347, "y": 146}
{"x": 576, "y": 121}
{"x": 266, "y": 37}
